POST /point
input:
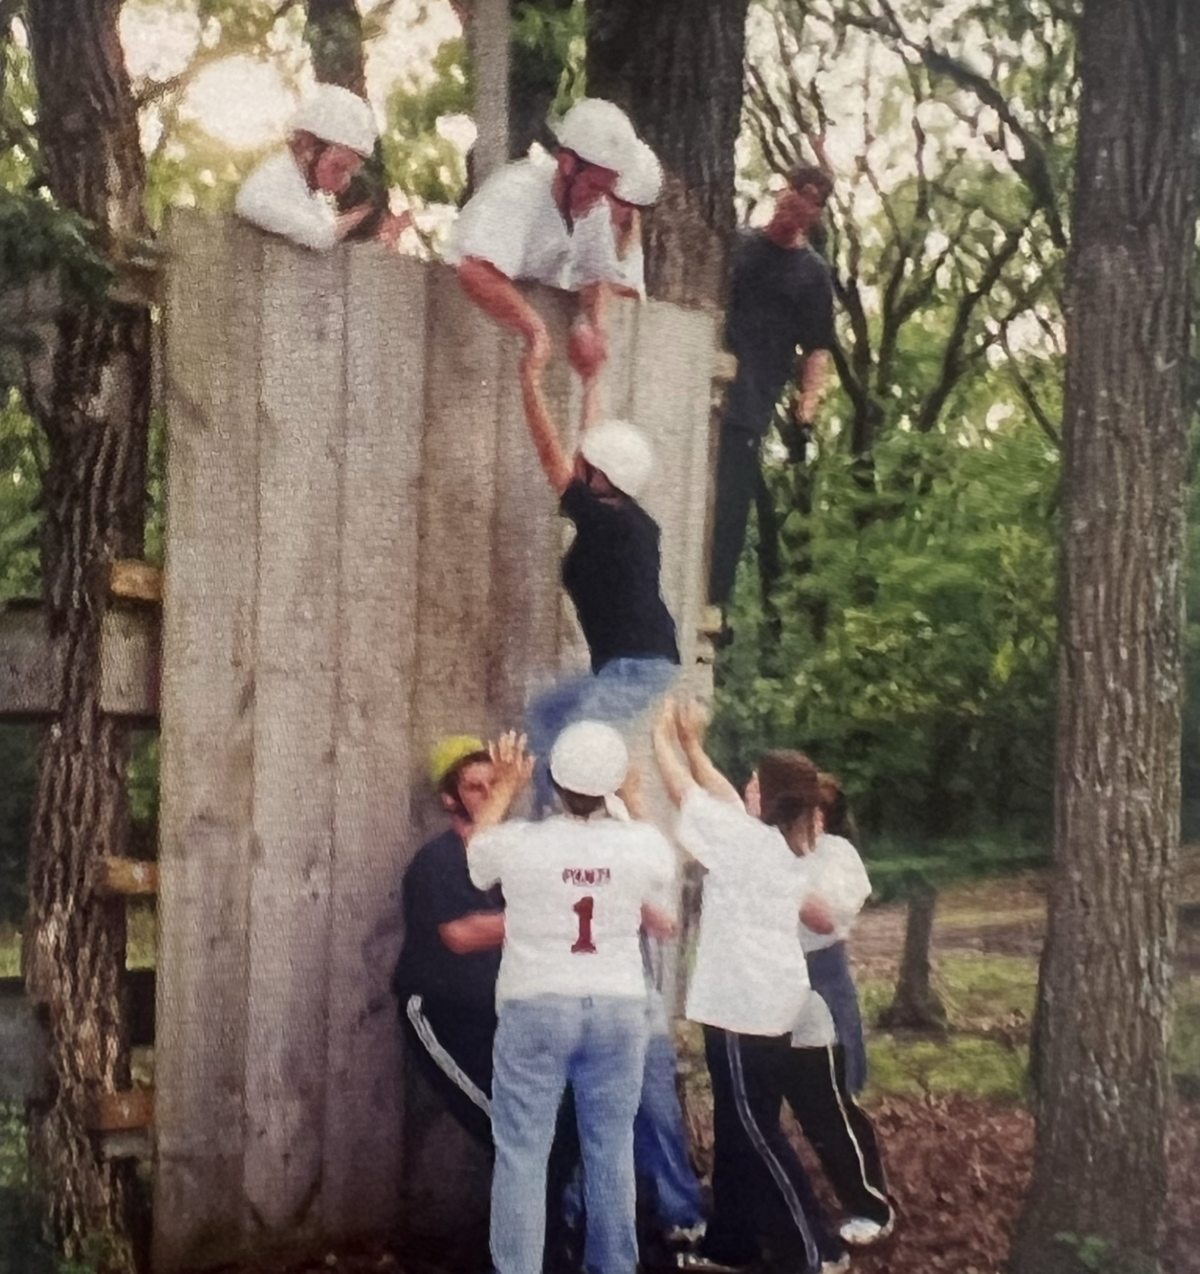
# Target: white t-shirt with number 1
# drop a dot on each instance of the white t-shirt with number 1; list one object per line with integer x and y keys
{"x": 573, "y": 895}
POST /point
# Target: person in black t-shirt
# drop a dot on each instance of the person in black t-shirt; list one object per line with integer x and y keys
{"x": 611, "y": 573}
{"x": 446, "y": 976}
{"x": 781, "y": 300}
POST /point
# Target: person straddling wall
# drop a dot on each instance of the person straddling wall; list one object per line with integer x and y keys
{"x": 781, "y": 301}
{"x": 550, "y": 222}
{"x": 572, "y": 1002}
{"x": 291, "y": 193}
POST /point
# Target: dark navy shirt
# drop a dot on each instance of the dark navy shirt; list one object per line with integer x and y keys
{"x": 437, "y": 890}
{"x": 780, "y": 298}
{"x": 611, "y": 573}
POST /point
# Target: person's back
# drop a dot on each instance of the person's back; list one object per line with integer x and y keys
{"x": 574, "y": 890}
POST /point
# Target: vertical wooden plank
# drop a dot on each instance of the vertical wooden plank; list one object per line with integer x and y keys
{"x": 457, "y": 503}
{"x": 300, "y": 459}
{"x": 377, "y": 632}
{"x": 527, "y": 532}
{"x": 207, "y": 730}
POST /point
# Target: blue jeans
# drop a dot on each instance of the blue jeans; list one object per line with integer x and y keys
{"x": 598, "y": 1045}
{"x": 662, "y": 1168}
{"x": 620, "y": 692}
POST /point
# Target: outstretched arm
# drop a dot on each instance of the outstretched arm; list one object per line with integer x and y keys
{"x": 500, "y": 298}
{"x": 691, "y": 722}
{"x": 555, "y": 462}
{"x": 675, "y": 776}
{"x": 512, "y": 769}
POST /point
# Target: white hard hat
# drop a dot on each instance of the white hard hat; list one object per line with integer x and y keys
{"x": 589, "y": 758}
{"x": 339, "y": 117}
{"x": 598, "y": 132}
{"x": 620, "y": 451}
{"x": 640, "y": 183}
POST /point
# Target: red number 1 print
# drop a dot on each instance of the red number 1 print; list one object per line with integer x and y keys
{"x": 584, "y": 945}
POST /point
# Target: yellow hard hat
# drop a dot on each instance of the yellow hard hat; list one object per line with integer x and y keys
{"x": 450, "y": 752}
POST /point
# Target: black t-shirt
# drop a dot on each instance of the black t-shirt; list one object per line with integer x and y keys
{"x": 611, "y": 573}
{"x": 780, "y": 298}
{"x": 438, "y": 889}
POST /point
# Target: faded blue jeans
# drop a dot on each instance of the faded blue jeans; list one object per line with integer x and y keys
{"x": 598, "y": 1045}
{"x": 620, "y": 692}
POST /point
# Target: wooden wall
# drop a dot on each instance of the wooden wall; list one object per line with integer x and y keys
{"x": 362, "y": 554}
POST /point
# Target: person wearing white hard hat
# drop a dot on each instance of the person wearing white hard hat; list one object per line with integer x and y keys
{"x": 292, "y": 193}
{"x": 571, "y": 995}
{"x": 548, "y": 221}
{"x": 611, "y": 573}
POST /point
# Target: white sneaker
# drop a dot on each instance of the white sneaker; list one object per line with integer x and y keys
{"x": 861, "y": 1231}
{"x": 836, "y": 1267}
{"x": 694, "y": 1263}
{"x": 688, "y": 1235}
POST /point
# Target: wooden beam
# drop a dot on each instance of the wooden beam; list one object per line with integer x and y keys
{"x": 31, "y": 664}
{"x": 125, "y": 1111}
{"x": 134, "y": 581}
{"x": 127, "y": 877}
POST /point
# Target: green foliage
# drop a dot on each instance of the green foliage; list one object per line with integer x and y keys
{"x": 913, "y": 652}
{"x": 417, "y": 157}
{"x": 550, "y": 43}
{"x": 20, "y": 484}
{"x": 959, "y": 1064}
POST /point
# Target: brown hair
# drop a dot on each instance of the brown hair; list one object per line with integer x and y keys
{"x": 448, "y": 787}
{"x": 811, "y": 176}
{"x": 838, "y": 819}
{"x": 790, "y": 791}
{"x": 578, "y": 804}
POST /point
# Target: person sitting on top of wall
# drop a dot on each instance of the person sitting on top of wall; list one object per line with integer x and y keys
{"x": 535, "y": 221}
{"x": 291, "y": 193}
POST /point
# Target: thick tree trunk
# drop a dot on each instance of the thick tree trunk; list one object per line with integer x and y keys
{"x": 334, "y": 34}
{"x": 916, "y": 1005}
{"x": 95, "y": 414}
{"x": 677, "y": 67}
{"x": 1103, "y": 1018}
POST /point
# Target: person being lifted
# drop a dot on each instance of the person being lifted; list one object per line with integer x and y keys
{"x": 291, "y": 193}
{"x": 551, "y": 222}
{"x": 611, "y": 573}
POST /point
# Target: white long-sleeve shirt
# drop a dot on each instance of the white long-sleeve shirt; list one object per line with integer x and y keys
{"x": 835, "y": 873}
{"x": 277, "y": 198}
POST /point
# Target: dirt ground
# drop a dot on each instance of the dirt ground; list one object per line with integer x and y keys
{"x": 958, "y": 1165}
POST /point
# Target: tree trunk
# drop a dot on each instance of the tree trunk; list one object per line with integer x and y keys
{"x": 1104, "y": 995}
{"x": 334, "y": 34}
{"x": 676, "y": 66}
{"x": 916, "y": 1006}
{"x": 95, "y": 413}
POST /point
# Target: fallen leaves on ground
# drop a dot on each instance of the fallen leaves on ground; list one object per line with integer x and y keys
{"x": 959, "y": 1167}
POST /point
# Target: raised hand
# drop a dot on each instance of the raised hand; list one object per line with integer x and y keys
{"x": 691, "y": 721}
{"x": 512, "y": 766}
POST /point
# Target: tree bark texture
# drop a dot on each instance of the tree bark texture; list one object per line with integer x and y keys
{"x": 1103, "y": 1017}
{"x": 677, "y": 67}
{"x": 334, "y": 35}
{"x": 95, "y": 411}
{"x": 916, "y": 1006}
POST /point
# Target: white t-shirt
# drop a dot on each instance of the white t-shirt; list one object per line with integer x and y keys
{"x": 750, "y": 975}
{"x": 836, "y": 874}
{"x": 513, "y": 222}
{"x": 276, "y": 197}
{"x": 573, "y": 895}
